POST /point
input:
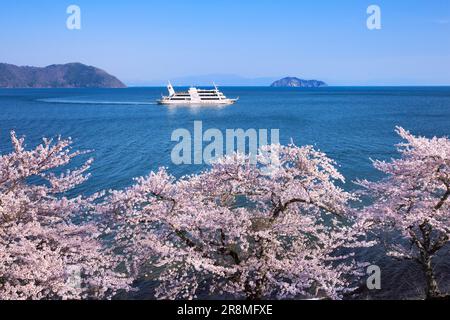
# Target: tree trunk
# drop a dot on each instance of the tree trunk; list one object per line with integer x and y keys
{"x": 432, "y": 290}
{"x": 426, "y": 253}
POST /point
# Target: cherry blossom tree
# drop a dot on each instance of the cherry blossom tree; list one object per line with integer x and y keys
{"x": 44, "y": 254}
{"x": 414, "y": 200}
{"x": 243, "y": 230}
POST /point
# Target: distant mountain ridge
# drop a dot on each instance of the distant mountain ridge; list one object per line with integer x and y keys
{"x": 298, "y": 83}
{"x": 70, "y": 75}
{"x": 221, "y": 79}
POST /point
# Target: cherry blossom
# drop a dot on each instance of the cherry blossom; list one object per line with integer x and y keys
{"x": 44, "y": 252}
{"x": 241, "y": 230}
{"x": 414, "y": 200}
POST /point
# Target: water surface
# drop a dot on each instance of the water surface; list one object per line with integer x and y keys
{"x": 130, "y": 134}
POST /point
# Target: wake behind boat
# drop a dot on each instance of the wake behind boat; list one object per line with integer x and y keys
{"x": 196, "y": 96}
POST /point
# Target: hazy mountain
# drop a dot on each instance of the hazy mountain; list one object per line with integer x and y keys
{"x": 207, "y": 80}
{"x": 70, "y": 75}
{"x": 296, "y": 82}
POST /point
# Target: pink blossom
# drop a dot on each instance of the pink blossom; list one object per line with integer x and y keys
{"x": 237, "y": 230}
{"x": 40, "y": 245}
{"x": 413, "y": 200}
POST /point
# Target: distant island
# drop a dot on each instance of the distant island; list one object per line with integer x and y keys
{"x": 70, "y": 75}
{"x": 298, "y": 83}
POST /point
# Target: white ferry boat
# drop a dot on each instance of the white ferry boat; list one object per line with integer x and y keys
{"x": 196, "y": 96}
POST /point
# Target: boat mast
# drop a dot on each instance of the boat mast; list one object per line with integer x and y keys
{"x": 170, "y": 89}
{"x": 217, "y": 91}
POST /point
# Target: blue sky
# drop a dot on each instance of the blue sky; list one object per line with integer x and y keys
{"x": 149, "y": 41}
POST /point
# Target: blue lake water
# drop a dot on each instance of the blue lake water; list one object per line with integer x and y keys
{"x": 130, "y": 135}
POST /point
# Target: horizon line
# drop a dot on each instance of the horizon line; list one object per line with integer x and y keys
{"x": 269, "y": 86}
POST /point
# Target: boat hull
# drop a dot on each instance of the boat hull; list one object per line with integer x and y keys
{"x": 194, "y": 96}
{"x": 172, "y": 102}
